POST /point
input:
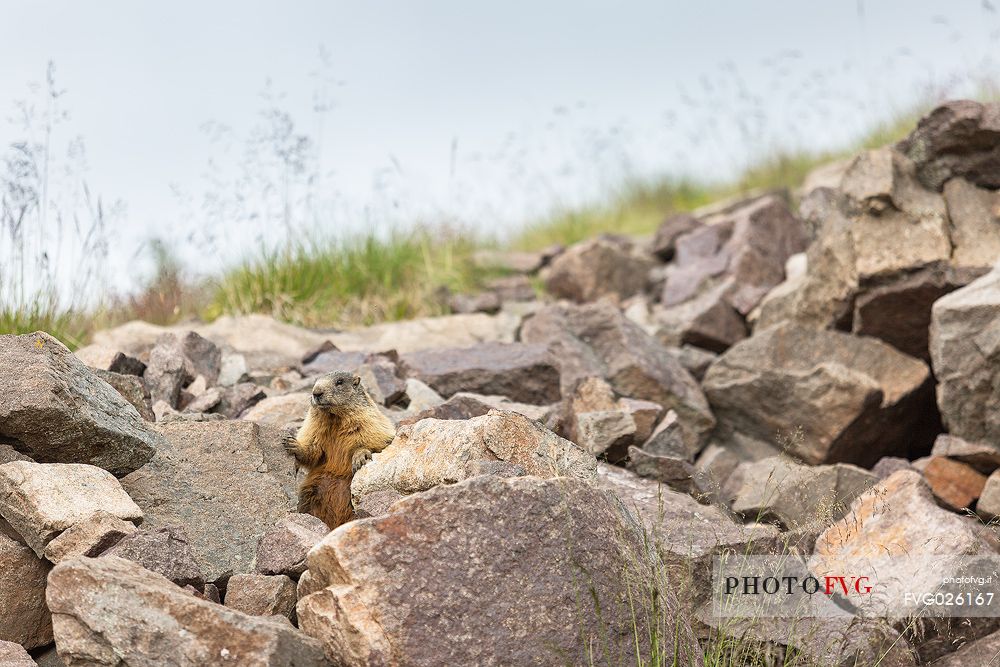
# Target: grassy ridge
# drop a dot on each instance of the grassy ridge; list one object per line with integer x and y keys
{"x": 369, "y": 279}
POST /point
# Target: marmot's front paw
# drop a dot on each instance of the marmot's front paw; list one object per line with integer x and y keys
{"x": 290, "y": 444}
{"x": 361, "y": 457}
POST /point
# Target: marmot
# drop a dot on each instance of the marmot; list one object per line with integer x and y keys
{"x": 342, "y": 429}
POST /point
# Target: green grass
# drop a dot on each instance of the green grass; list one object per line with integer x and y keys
{"x": 41, "y": 313}
{"x": 361, "y": 280}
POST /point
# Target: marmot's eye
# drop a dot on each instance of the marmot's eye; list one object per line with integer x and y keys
{"x": 340, "y": 382}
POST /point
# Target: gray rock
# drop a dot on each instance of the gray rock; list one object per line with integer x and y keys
{"x": 238, "y": 399}
{"x": 983, "y": 456}
{"x": 110, "y": 611}
{"x": 40, "y": 500}
{"x": 163, "y": 550}
{"x": 596, "y": 340}
{"x": 676, "y": 473}
{"x": 14, "y": 655}
{"x": 540, "y": 609}
{"x": 525, "y": 373}
{"x": 988, "y": 506}
{"x": 283, "y": 547}
{"x": 111, "y": 360}
{"x": 378, "y": 375}
{"x": 90, "y": 537}
{"x": 676, "y": 225}
{"x": 607, "y": 265}
{"x": 165, "y": 375}
{"x": 26, "y": 619}
{"x": 887, "y": 465}
{"x": 965, "y": 350}
{"x": 834, "y": 397}
{"x": 435, "y": 451}
{"x": 959, "y": 138}
{"x": 54, "y": 409}
{"x": 975, "y": 224}
{"x": 224, "y": 482}
{"x": 132, "y": 389}
{"x": 262, "y": 595}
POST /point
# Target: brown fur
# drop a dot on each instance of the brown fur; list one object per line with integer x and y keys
{"x": 337, "y": 438}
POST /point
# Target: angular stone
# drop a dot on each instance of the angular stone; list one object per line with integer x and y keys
{"x": 965, "y": 351}
{"x": 746, "y": 250}
{"x": 667, "y": 439}
{"x": 525, "y": 373}
{"x": 596, "y": 340}
{"x": 201, "y": 356}
{"x": 26, "y": 619}
{"x": 420, "y": 396}
{"x": 899, "y": 312}
{"x": 539, "y": 610}
{"x": 460, "y": 406}
{"x": 111, "y": 360}
{"x": 262, "y": 595}
{"x": 238, "y": 399}
{"x": 958, "y": 138}
{"x": 897, "y": 518}
{"x": 676, "y": 473}
{"x": 983, "y": 456}
{"x": 706, "y": 320}
{"x": 165, "y": 374}
{"x": 435, "y": 451}
{"x": 975, "y": 224}
{"x": 838, "y": 398}
{"x": 664, "y": 242}
{"x": 55, "y": 409}
{"x": 607, "y": 434}
{"x": 14, "y": 655}
{"x": 796, "y": 495}
{"x": 283, "y": 547}
{"x": 110, "y": 611}
{"x": 163, "y": 550}
{"x": 988, "y": 506}
{"x": 90, "y": 537}
{"x": 233, "y": 368}
{"x": 954, "y": 483}
{"x": 694, "y": 359}
{"x": 689, "y": 535}
{"x": 232, "y": 469}
{"x": 205, "y": 401}
{"x": 279, "y": 411}
{"x": 378, "y": 375}
{"x": 8, "y": 454}
{"x": 132, "y": 389}
{"x": 40, "y": 500}
{"x": 607, "y": 265}
{"x": 887, "y": 465}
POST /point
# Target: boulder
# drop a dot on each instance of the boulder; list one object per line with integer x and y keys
{"x": 224, "y": 483}
{"x": 959, "y": 138}
{"x": 525, "y": 373}
{"x": 420, "y": 397}
{"x": 238, "y": 399}
{"x": 667, "y": 439}
{"x": 279, "y": 411}
{"x": 675, "y": 472}
{"x": 890, "y": 464}
{"x": 283, "y": 547}
{"x": 955, "y": 484}
{"x": 687, "y": 534}
{"x": 389, "y": 591}
{"x": 132, "y": 389}
{"x": 110, "y": 360}
{"x": 744, "y": 252}
{"x": 163, "y": 550}
{"x": 665, "y": 240}
{"x": 965, "y": 350}
{"x": 608, "y": 265}
{"x": 26, "y": 619}
{"x": 795, "y": 495}
{"x": 89, "y": 537}
{"x": 379, "y": 376}
{"x": 262, "y": 595}
{"x": 837, "y": 398}
{"x": 110, "y": 611}
{"x": 988, "y": 506}
{"x": 974, "y": 214}
{"x": 14, "y": 655}
{"x": 41, "y": 500}
{"x": 165, "y": 374}
{"x": 55, "y": 409}
{"x": 596, "y": 340}
{"x": 435, "y": 451}
{"x": 603, "y": 425}
{"x": 705, "y": 320}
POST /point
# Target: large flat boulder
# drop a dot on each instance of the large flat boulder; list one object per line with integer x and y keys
{"x": 833, "y": 397}
{"x": 561, "y": 573}
{"x": 56, "y": 410}
{"x": 965, "y": 354}
{"x": 26, "y": 619}
{"x": 110, "y": 611}
{"x": 223, "y": 482}
{"x": 41, "y": 500}
{"x": 519, "y": 371}
{"x": 432, "y": 452}
{"x": 597, "y": 340}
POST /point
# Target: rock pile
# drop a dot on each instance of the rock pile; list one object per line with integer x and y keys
{"x": 757, "y": 378}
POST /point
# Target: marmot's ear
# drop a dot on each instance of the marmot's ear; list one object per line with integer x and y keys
{"x": 357, "y": 380}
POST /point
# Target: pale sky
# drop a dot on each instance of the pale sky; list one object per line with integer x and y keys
{"x": 481, "y": 114}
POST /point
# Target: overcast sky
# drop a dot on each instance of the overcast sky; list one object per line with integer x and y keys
{"x": 482, "y": 113}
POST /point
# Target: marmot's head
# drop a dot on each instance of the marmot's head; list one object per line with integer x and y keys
{"x": 335, "y": 392}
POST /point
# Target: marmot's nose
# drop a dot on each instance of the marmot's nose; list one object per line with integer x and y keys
{"x": 317, "y": 392}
